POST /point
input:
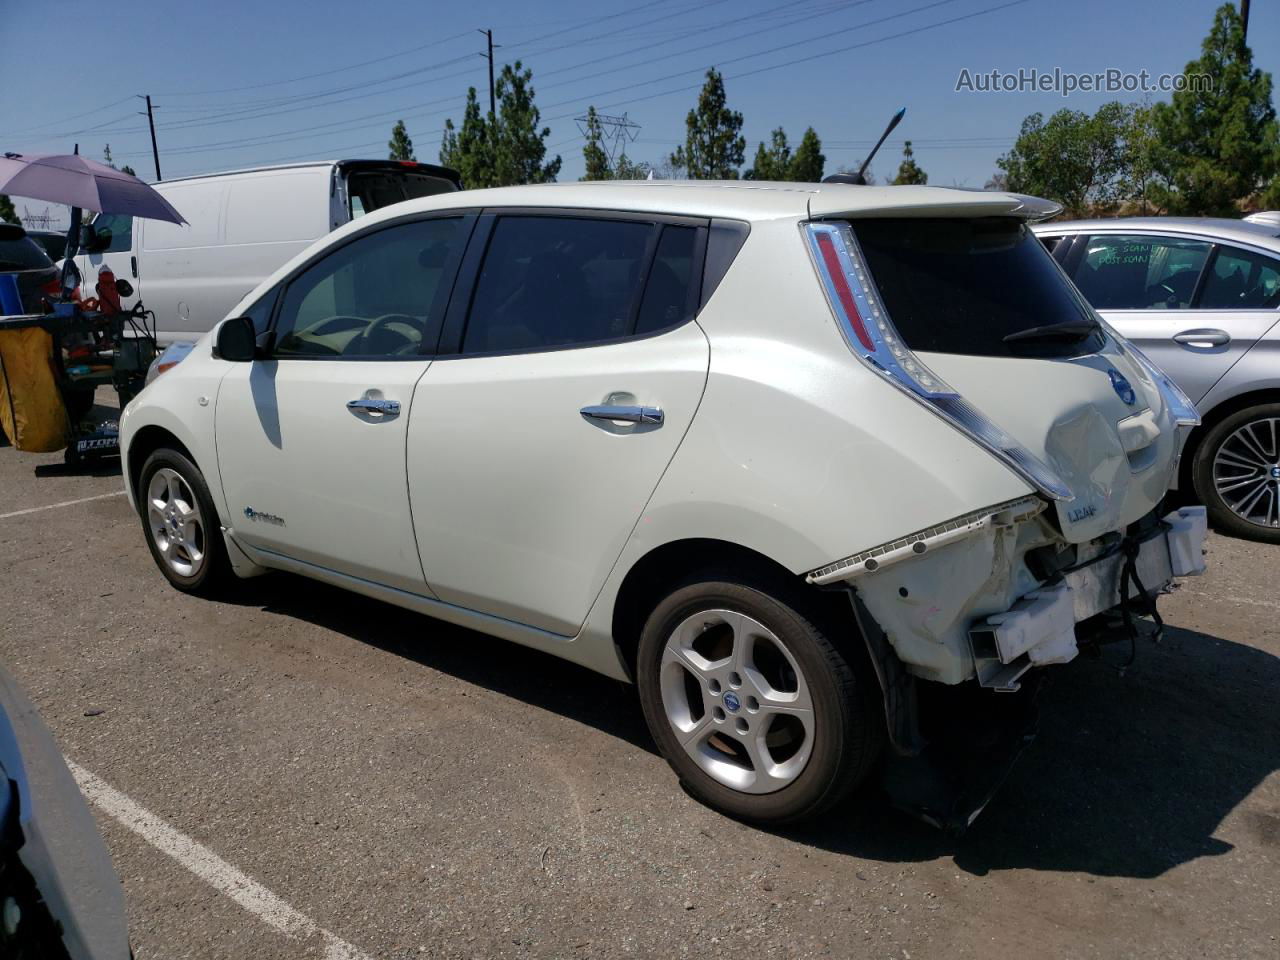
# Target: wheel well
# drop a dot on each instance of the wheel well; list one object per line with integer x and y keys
{"x": 1212, "y": 419}
{"x": 659, "y": 570}
{"x": 146, "y": 442}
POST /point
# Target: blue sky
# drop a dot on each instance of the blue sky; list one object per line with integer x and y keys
{"x": 217, "y": 72}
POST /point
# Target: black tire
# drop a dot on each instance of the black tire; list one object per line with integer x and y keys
{"x": 1222, "y": 516}
{"x": 214, "y": 571}
{"x": 848, "y": 726}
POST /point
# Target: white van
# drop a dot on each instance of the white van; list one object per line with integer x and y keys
{"x": 241, "y": 226}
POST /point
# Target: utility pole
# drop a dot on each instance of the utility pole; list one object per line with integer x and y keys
{"x": 1244, "y": 17}
{"x": 493, "y": 103}
{"x": 151, "y": 122}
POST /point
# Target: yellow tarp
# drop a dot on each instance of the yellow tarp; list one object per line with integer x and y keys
{"x": 32, "y": 413}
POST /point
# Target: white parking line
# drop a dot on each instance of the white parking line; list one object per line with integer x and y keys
{"x": 64, "y": 503}
{"x": 211, "y": 868}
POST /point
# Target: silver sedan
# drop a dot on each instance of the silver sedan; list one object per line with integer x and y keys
{"x": 1201, "y": 297}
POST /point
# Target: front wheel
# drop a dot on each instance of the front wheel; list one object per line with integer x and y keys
{"x": 1237, "y": 473}
{"x": 181, "y": 523}
{"x": 756, "y": 710}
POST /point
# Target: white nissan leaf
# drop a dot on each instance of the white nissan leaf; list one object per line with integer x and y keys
{"x": 828, "y": 471}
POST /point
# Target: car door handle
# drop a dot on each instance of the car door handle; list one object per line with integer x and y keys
{"x": 375, "y": 405}
{"x": 1208, "y": 336}
{"x": 625, "y": 414}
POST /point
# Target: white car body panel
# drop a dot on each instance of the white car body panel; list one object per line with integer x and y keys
{"x": 521, "y": 503}
{"x": 301, "y": 473}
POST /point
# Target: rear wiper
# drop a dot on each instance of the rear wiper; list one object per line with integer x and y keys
{"x": 1070, "y": 330}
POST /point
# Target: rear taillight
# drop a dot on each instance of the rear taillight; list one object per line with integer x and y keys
{"x": 872, "y": 337}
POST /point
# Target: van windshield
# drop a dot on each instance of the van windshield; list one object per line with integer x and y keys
{"x": 982, "y": 286}
{"x": 370, "y": 190}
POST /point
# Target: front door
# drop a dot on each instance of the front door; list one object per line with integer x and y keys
{"x": 533, "y": 450}
{"x": 311, "y": 441}
{"x": 117, "y": 253}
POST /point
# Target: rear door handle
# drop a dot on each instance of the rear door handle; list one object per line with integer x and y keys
{"x": 625, "y": 414}
{"x": 375, "y": 405}
{"x": 1209, "y": 336}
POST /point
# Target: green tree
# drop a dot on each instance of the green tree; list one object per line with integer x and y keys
{"x": 593, "y": 155}
{"x": 106, "y": 156}
{"x": 400, "y": 145}
{"x": 470, "y": 150}
{"x": 1217, "y": 146}
{"x": 807, "y": 162}
{"x": 7, "y": 213}
{"x": 519, "y": 145}
{"x": 772, "y": 162}
{"x": 909, "y": 171}
{"x": 129, "y": 170}
{"x": 714, "y": 145}
{"x": 1074, "y": 158}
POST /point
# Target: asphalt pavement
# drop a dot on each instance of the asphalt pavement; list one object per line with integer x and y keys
{"x": 305, "y": 773}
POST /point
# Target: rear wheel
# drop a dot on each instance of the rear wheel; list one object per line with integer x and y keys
{"x": 1237, "y": 473}
{"x": 181, "y": 523}
{"x": 756, "y": 710}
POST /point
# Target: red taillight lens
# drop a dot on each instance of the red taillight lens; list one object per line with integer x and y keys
{"x": 831, "y": 260}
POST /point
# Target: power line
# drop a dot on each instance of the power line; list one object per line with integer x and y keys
{"x": 787, "y": 63}
{"x": 312, "y": 76}
{"x": 409, "y": 111}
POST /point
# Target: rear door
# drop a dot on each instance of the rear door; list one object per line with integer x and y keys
{"x": 1194, "y": 307}
{"x": 576, "y": 370}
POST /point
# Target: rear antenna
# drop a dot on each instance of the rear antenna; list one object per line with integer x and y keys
{"x": 860, "y": 178}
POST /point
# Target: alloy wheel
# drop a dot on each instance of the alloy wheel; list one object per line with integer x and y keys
{"x": 175, "y": 522}
{"x": 1246, "y": 472}
{"x": 737, "y": 701}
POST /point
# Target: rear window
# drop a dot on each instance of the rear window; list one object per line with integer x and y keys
{"x": 22, "y": 253}
{"x": 370, "y": 190}
{"x": 955, "y": 285}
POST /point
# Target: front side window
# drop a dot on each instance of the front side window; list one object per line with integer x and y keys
{"x": 383, "y": 294}
{"x": 117, "y": 229}
{"x": 1141, "y": 272}
{"x": 1241, "y": 280}
{"x": 558, "y": 281}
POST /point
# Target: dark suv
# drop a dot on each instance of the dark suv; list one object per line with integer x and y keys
{"x": 23, "y": 257}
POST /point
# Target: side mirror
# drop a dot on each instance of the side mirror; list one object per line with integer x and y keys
{"x": 94, "y": 241}
{"x": 236, "y": 340}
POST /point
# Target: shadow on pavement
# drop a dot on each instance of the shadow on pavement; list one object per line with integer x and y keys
{"x": 1130, "y": 776}
{"x": 527, "y": 675}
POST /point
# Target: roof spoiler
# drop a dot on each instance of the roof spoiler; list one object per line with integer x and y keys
{"x": 835, "y": 201}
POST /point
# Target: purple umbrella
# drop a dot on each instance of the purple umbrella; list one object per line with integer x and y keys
{"x": 80, "y": 182}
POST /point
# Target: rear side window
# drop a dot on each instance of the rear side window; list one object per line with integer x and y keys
{"x": 1141, "y": 272}
{"x": 668, "y": 294}
{"x": 562, "y": 281}
{"x": 1241, "y": 280}
{"x": 955, "y": 285}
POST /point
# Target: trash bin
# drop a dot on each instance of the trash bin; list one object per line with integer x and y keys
{"x": 32, "y": 413}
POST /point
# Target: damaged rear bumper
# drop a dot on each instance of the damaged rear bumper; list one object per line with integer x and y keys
{"x": 1040, "y": 628}
{"x": 997, "y": 592}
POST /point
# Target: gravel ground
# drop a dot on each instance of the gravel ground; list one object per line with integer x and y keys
{"x": 422, "y": 790}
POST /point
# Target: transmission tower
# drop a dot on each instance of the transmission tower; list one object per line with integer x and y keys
{"x": 616, "y": 133}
